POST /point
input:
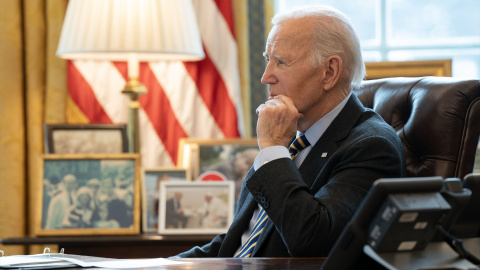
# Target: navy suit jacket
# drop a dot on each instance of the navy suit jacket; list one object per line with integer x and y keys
{"x": 309, "y": 207}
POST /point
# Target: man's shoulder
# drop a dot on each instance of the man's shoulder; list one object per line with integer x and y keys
{"x": 371, "y": 128}
{"x": 371, "y": 122}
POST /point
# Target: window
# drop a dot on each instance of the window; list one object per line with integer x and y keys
{"x": 405, "y": 30}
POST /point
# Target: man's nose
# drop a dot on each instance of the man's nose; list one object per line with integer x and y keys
{"x": 268, "y": 76}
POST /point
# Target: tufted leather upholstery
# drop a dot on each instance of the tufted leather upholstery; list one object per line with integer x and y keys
{"x": 437, "y": 119}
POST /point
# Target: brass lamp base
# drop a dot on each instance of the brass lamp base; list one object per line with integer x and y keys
{"x": 133, "y": 89}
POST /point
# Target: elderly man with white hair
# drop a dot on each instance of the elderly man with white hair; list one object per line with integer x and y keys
{"x": 295, "y": 201}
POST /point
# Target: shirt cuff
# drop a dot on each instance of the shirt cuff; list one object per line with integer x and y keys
{"x": 270, "y": 153}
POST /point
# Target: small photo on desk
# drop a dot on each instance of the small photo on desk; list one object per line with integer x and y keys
{"x": 91, "y": 194}
{"x": 196, "y": 207}
{"x": 151, "y": 179}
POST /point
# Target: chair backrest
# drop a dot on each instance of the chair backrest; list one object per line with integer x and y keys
{"x": 437, "y": 119}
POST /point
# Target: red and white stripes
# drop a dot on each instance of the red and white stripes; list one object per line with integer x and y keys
{"x": 184, "y": 99}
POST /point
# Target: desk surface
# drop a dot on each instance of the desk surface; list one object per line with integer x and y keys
{"x": 243, "y": 264}
{"x": 436, "y": 253}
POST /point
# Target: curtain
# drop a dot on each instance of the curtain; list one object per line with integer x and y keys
{"x": 32, "y": 92}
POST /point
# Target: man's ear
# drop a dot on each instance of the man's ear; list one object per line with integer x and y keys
{"x": 333, "y": 69}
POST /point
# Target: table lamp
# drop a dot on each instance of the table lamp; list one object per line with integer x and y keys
{"x": 132, "y": 31}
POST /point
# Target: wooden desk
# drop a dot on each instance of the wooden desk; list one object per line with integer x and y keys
{"x": 242, "y": 264}
{"x": 121, "y": 247}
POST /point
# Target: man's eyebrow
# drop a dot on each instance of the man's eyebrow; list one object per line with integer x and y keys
{"x": 276, "y": 57}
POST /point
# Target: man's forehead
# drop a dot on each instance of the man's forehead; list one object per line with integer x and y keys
{"x": 285, "y": 36}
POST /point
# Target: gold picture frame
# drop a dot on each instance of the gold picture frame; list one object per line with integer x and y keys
{"x": 378, "y": 70}
{"x": 88, "y": 194}
{"x": 151, "y": 179}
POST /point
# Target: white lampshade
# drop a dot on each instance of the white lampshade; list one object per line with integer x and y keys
{"x": 115, "y": 30}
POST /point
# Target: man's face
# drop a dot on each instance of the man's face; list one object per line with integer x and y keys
{"x": 288, "y": 71}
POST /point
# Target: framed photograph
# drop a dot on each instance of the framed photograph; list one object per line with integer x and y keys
{"x": 85, "y": 138}
{"x": 89, "y": 195}
{"x": 229, "y": 157}
{"x": 151, "y": 179}
{"x": 196, "y": 207}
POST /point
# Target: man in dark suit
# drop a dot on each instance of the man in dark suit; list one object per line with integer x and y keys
{"x": 174, "y": 216}
{"x": 314, "y": 61}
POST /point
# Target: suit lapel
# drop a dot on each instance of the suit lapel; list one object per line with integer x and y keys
{"x": 329, "y": 142}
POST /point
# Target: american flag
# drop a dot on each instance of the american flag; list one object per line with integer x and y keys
{"x": 184, "y": 99}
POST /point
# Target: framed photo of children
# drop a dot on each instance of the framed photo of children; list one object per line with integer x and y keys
{"x": 89, "y": 194}
{"x": 85, "y": 138}
{"x": 151, "y": 179}
{"x": 196, "y": 207}
{"x": 231, "y": 158}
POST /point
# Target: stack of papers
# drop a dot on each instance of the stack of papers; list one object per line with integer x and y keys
{"x": 59, "y": 260}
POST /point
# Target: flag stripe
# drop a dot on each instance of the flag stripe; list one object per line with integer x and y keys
{"x": 107, "y": 84}
{"x": 187, "y": 102}
{"x": 215, "y": 95}
{"x": 221, "y": 53}
{"x": 83, "y": 95}
{"x": 152, "y": 148}
{"x": 225, "y": 8}
{"x": 159, "y": 111}
{"x": 194, "y": 99}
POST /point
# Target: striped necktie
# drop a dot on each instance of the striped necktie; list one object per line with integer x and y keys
{"x": 245, "y": 251}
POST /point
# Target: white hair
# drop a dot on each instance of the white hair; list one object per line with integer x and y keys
{"x": 333, "y": 35}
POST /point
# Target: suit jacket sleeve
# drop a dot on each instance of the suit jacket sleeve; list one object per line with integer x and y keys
{"x": 209, "y": 250}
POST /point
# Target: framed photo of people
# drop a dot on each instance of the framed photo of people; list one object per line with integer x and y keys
{"x": 151, "y": 179}
{"x": 231, "y": 158}
{"x": 85, "y": 138}
{"x": 196, "y": 207}
{"x": 88, "y": 194}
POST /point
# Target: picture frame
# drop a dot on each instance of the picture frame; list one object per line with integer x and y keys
{"x": 94, "y": 194}
{"x": 206, "y": 207}
{"x": 85, "y": 138}
{"x": 151, "y": 179}
{"x": 378, "y": 70}
{"x": 230, "y": 157}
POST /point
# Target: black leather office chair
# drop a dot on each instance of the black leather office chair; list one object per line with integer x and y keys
{"x": 437, "y": 119}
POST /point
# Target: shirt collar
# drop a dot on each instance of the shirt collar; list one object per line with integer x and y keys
{"x": 315, "y": 132}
